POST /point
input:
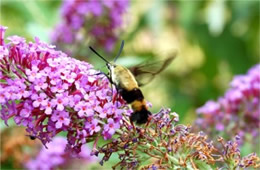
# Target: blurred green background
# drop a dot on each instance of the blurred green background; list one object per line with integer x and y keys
{"x": 214, "y": 41}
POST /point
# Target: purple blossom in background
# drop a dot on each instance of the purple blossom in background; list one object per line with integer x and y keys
{"x": 97, "y": 21}
{"x": 54, "y": 157}
{"x": 49, "y": 92}
{"x": 237, "y": 112}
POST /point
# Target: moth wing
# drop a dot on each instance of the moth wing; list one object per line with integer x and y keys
{"x": 145, "y": 72}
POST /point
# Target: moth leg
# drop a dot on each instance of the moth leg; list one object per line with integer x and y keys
{"x": 111, "y": 83}
{"x": 110, "y": 80}
{"x": 102, "y": 73}
{"x": 118, "y": 91}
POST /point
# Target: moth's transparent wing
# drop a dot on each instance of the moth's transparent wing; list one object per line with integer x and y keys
{"x": 145, "y": 72}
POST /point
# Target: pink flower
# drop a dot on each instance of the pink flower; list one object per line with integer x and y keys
{"x": 56, "y": 157}
{"x": 237, "y": 111}
{"x": 210, "y": 107}
{"x": 61, "y": 118}
{"x": 110, "y": 128}
{"x": 40, "y": 84}
{"x": 38, "y": 99}
{"x": 60, "y": 101}
{"x": 23, "y": 93}
{"x": 69, "y": 77}
{"x": 60, "y": 87}
{"x": 26, "y": 111}
{"x": 84, "y": 109}
{"x": 2, "y": 96}
{"x": 49, "y": 92}
{"x": 33, "y": 73}
{"x": 93, "y": 127}
{"x": 3, "y": 51}
{"x": 16, "y": 39}
{"x": 47, "y": 106}
{"x": 108, "y": 16}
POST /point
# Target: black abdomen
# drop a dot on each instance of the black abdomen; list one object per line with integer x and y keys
{"x": 130, "y": 96}
{"x": 140, "y": 116}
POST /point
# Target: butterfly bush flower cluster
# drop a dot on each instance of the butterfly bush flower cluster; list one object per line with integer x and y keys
{"x": 231, "y": 156}
{"x": 49, "y": 92}
{"x": 169, "y": 145}
{"x": 237, "y": 112}
{"x": 97, "y": 21}
{"x": 55, "y": 157}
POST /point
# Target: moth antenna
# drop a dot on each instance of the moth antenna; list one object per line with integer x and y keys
{"x": 92, "y": 49}
{"x": 120, "y": 50}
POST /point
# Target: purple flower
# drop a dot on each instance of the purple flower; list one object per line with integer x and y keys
{"x": 60, "y": 101}
{"x": 210, "y": 107}
{"x": 38, "y": 99}
{"x": 16, "y": 39}
{"x": 75, "y": 19}
{"x": 8, "y": 110}
{"x": 49, "y": 92}
{"x": 23, "y": 93}
{"x": 2, "y": 35}
{"x": 84, "y": 109}
{"x": 74, "y": 100}
{"x": 3, "y": 51}
{"x": 61, "y": 118}
{"x": 33, "y": 73}
{"x": 69, "y": 77}
{"x": 27, "y": 110}
{"x": 237, "y": 112}
{"x": 40, "y": 84}
{"x": 47, "y": 106}
{"x": 54, "y": 78}
{"x": 110, "y": 128}
{"x": 93, "y": 127}
{"x": 55, "y": 156}
{"x": 59, "y": 87}
{"x": 2, "y": 96}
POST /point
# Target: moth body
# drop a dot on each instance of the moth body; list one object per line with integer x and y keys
{"x": 128, "y": 87}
